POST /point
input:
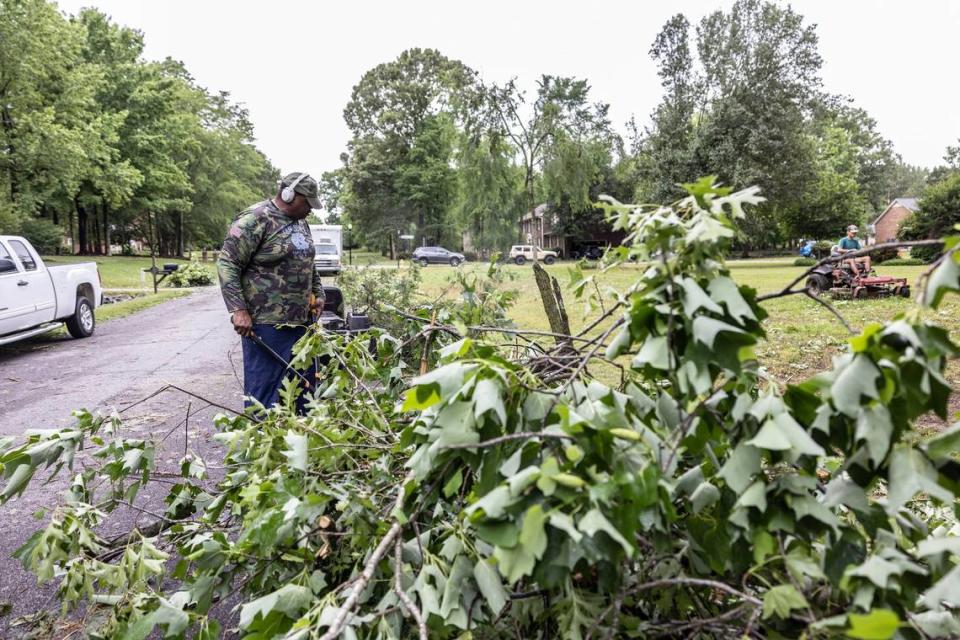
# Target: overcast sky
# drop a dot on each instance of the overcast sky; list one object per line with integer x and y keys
{"x": 897, "y": 59}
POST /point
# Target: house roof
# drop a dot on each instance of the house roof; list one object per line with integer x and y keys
{"x": 908, "y": 203}
{"x": 538, "y": 212}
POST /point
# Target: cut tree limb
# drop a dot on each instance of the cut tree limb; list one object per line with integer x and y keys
{"x": 552, "y": 303}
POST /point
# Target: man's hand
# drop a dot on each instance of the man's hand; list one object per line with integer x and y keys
{"x": 242, "y": 322}
{"x": 316, "y": 306}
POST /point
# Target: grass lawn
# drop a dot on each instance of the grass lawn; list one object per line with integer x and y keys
{"x": 802, "y": 336}
{"x": 119, "y": 272}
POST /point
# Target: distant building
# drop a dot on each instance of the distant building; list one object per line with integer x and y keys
{"x": 542, "y": 228}
{"x": 537, "y": 227}
{"x": 888, "y": 223}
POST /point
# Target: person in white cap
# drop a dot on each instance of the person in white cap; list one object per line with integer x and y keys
{"x": 850, "y": 244}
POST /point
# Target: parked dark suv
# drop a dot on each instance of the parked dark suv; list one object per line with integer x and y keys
{"x": 437, "y": 255}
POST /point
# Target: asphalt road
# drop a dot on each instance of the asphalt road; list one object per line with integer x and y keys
{"x": 187, "y": 342}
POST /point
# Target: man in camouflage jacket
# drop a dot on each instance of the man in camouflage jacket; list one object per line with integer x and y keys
{"x": 267, "y": 276}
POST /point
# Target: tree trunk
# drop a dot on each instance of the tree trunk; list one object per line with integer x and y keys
{"x": 81, "y": 227}
{"x": 73, "y": 237}
{"x": 552, "y": 302}
{"x": 106, "y": 228}
{"x": 180, "y": 234}
{"x": 393, "y": 254}
{"x": 97, "y": 244}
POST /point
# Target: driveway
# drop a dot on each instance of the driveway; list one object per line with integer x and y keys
{"x": 187, "y": 342}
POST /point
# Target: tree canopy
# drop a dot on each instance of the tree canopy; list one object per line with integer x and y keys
{"x": 97, "y": 138}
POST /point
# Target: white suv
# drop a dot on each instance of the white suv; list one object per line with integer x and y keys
{"x": 520, "y": 253}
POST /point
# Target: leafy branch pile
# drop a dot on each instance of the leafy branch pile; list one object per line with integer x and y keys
{"x": 696, "y": 498}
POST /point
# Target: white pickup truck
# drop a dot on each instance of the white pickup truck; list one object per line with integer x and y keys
{"x": 35, "y": 298}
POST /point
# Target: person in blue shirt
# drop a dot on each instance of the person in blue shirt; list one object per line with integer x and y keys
{"x": 850, "y": 244}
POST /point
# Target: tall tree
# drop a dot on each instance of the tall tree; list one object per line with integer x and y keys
{"x": 554, "y": 130}
{"x": 667, "y": 149}
{"x": 400, "y": 114}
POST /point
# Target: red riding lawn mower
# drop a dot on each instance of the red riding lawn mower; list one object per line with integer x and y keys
{"x": 839, "y": 281}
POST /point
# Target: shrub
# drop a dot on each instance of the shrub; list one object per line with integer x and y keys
{"x": 883, "y": 255}
{"x": 42, "y": 234}
{"x": 903, "y": 262}
{"x": 191, "y": 275}
{"x": 926, "y": 254}
{"x": 373, "y": 291}
{"x": 805, "y": 262}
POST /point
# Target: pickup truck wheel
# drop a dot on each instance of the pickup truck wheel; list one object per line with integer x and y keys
{"x": 519, "y": 259}
{"x": 549, "y": 260}
{"x": 454, "y": 262}
{"x": 82, "y": 323}
{"x": 424, "y": 262}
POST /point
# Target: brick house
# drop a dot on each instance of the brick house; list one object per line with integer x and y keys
{"x": 887, "y": 224}
{"x": 537, "y": 227}
{"x": 541, "y": 227}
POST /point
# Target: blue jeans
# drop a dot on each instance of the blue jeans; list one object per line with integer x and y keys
{"x": 263, "y": 374}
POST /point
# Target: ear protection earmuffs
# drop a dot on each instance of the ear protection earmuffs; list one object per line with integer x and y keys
{"x": 288, "y": 193}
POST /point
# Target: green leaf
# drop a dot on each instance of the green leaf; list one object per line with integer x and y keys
{"x": 533, "y": 538}
{"x": 944, "y": 278}
{"x": 595, "y": 521}
{"x": 488, "y": 581}
{"x": 704, "y": 496}
{"x": 781, "y": 600}
{"x": 421, "y": 397}
{"x": 654, "y": 353}
{"x": 770, "y": 437}
{"x": 740, "y": 467}
{"x": 289, "y": 599}
{"x": 487, "y": 396}
{"x": 879, "y": 624}
{"x": 453, "y": 484}
{"x": 754, "y": 496}
{"x": 944, "y": 444}
{"x": 946, "y": 591}
{"x": 706, "y": 329}
{"x": 514, "y": 563}
{"x": 911, "y": 473}
{"x": 724, "y": 290}
{"x": 17, "y": 481}
{"x": 562, "y": 521}
{"x": 573, "y": 453}
{"x": 856, "y": 379}
{"x": 296, "y": 452}
{"x": 457, "y": 424}
{"x": 523, "y": 479}
{"x": 695, "y": 298}
{"x": 494, "y": 503}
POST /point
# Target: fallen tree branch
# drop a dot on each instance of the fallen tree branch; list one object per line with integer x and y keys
{"x": 404, "y": 597}
{"x": 361, "y": 581}
{"x": 697, "y": 582}
{"x": 523, "y": 435}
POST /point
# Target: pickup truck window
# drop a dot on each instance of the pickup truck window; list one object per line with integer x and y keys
{"x": 7, "y": 265}
{"x": 26, "y": 258}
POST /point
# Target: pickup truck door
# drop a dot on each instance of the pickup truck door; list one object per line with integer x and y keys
{"x": 12, "y": 307}
{"x": 33, "y": 295}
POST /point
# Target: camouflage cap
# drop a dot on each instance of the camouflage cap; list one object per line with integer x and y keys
{"x": 307, "y": 186}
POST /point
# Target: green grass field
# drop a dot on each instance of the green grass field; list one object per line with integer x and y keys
{"x": 802, "y": 336}
{"x": 117, "y": 272}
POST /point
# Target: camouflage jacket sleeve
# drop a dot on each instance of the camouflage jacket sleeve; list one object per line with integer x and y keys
{"x": 241, "y": 243}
